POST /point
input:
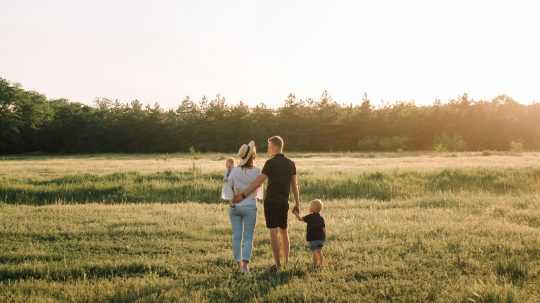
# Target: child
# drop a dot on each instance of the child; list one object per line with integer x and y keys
{"x": 316, "y": 233}
{"x": 226, "y": 190}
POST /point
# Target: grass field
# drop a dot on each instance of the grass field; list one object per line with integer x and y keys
{"x": 401, "y": 228}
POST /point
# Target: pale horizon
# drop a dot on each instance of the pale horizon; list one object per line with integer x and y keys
{"x": 259, "y": 52}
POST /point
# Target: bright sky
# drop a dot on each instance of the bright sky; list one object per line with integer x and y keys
{"x": 260, "y": 51}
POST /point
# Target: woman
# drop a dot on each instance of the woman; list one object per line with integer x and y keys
{"x": 243, "y": 215}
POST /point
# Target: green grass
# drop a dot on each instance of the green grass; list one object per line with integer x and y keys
{"x": 451, "y": 233}
{"x": 413, "y": 250}
{"x": 189, "y": 186}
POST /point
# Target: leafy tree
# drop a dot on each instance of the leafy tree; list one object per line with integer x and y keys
{"x": 31, "y": 123}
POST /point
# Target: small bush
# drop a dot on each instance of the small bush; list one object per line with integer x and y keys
{"x": 446, "y": 142}
{"x": 512, "y": 270}
{"x": 392, "y": 143}
{"x": 491, "y": 292}
{"x": 438, "y": 203}
{"x": 486, "y": 153}
{"x": 516, "y": 147}
{"x": 492, "y": 297}
{"x": 440, "y": 148}
{"x": 369, "y": 143}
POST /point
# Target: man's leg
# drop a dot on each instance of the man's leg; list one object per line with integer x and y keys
{"x": 286, "y": 245}
{"x": 274, "y": 242}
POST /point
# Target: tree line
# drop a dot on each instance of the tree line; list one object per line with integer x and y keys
{"x": 29, "y": 122}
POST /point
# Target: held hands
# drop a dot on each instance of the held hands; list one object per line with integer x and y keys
{"x": 296, "y": 212}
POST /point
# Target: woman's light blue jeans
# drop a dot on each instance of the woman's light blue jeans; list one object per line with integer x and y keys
{"x": 243, "y": 219}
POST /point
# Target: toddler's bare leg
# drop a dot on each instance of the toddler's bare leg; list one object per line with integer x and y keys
{"x": 317, "y": 258}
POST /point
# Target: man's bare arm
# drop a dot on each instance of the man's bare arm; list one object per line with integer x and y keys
{"x": 251, "y": 188}
{"x": 297, "y": 215}
{"x": 255, "y": 184}
{"x": 296, "y": 193}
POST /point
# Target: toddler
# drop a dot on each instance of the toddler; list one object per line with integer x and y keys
{"x": 315, "y": 233}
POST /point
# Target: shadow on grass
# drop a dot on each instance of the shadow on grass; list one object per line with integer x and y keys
{"x": 238, "y": 287}
{"x": 44, "y": 196}
{"x": 18, "y": 259}
{"x": 373, "y": 273}
{"x": 376, "y": 186}
{"x": 195, "y": 186}
{"x": 116, "y": 233}
{"x": 147, "y": 293}
{"x": 59, "y": 272}
{"x": 164, "y": 187}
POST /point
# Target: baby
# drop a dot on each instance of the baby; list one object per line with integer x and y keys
{"x": 226, "y": 190}
{"x": 316, "y": 233}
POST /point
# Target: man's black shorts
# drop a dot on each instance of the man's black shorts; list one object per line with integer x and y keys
{"x": 275, "y": 214}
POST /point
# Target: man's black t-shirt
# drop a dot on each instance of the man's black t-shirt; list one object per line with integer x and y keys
{"x": 315, "y": 227}
{"x": 279, "y": 170}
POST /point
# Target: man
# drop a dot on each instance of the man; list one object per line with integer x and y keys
{"x": 281, "y": 174}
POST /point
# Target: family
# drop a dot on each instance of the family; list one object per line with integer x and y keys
{"x": 243, "y": 187}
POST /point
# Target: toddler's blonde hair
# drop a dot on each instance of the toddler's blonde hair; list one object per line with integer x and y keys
{"x": 316, "y": 205}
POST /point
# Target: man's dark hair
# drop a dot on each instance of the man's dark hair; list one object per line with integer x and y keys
{"x": 277, "y": 141}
